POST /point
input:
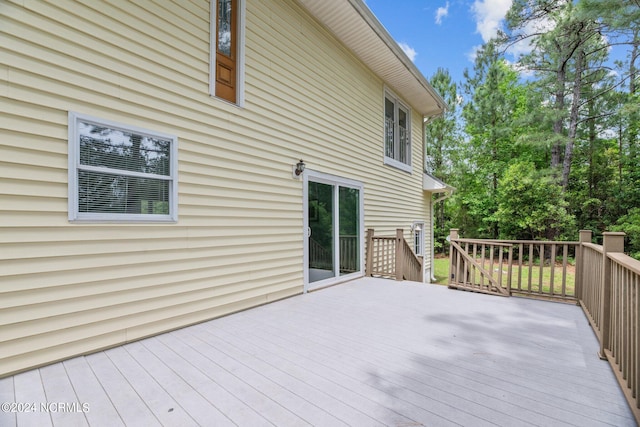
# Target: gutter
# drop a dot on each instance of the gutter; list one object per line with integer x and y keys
{"x": 373, "y": 22}
{"x": 443, "y": 196}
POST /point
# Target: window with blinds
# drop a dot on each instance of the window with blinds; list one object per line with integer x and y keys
{"x": 397, "y": 135}
{"x": 120, "y": 173}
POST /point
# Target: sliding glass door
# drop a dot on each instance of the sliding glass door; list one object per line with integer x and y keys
{"x": 333, "y": 246}
{"x": 349, "y": 230}
{"x": 321, "y": 242}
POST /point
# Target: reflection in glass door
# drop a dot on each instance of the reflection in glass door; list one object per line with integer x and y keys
{"x": 334, "y": 229}
{"x": 349, "y": 214}
{"x": 321, "y": 259}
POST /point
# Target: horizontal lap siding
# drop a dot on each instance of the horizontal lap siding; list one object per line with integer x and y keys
{"x": 350, "y": 143}
{"x": 68, "y": 288}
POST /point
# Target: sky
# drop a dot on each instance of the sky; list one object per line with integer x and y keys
{"x": 441, "y": 33}
{"x": 447, "y": 33}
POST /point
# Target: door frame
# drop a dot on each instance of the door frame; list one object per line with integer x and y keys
{"x": 325, "y": 178}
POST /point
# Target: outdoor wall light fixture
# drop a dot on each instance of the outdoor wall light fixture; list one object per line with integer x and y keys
{"x": 300, "y": 167}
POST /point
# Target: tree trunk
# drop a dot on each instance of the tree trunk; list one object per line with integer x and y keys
{"x": 558, "y": 122}
{"x": 573, "y": 120}
{"x": 632, "y": 133}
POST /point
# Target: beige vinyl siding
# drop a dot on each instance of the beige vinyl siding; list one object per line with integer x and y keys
{"x": 67, "y": 289}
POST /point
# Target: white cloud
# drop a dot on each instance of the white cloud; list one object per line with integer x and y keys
{"x": 441, "y": 13}
{"x": 525, "y": 46}
{"x": 522, "y": 71}
{"x": 411, "y": 52}
{"x": 489, "y": 15}
{"x": 473, "y": 53}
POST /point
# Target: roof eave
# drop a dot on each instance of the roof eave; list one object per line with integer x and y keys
{"x": 353, "y": 23}
{"x": 432, "y": 184}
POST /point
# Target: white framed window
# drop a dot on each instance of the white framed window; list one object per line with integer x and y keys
{"x": 418, "y": 238}
{"x": 226, "y": 75}
{"x": 397, "y": 132}
{"x": 121, "y": 173}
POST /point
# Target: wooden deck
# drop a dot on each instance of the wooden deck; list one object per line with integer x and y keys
{"x": 365, "y": 353}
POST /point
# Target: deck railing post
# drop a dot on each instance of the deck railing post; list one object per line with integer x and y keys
{"x": 612, "y": 242}
{"x": 399, "y": 253}
{"x": 453, "y": 234}
{"x": 369, "y": 263}
{"x": 585, "y": 237}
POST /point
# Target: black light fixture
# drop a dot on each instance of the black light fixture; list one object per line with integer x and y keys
{"x": 300, "y": 167}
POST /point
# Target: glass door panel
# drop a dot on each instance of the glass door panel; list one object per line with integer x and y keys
{"x": 349, "y": 224}
{"x": 321, "y": 239}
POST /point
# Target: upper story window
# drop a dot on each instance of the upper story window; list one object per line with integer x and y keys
{"x": 120, "y": 173}
{"x": 227, "y": 50}
{"x": 397, "y": 133}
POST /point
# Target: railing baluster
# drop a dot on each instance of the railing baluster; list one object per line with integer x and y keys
{"x": 465, "y": 271}
{"x": 500, "y": 267}
{"x": 473, "y": 274}
{"x": 530, "y": 266}
{"x": 520, "y": 257}
{"x": 482, "y": 265}
{"x": 509, "y": 269}
{"x": 541, "y": 260}
{"x": 565, "y": 256}
{"x": 491, "y": 272}
{"x": 624, "y": 321}
{"x": 552, "y": 266}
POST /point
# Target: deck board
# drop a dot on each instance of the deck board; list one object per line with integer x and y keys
{"x": 161, "y": 404}
{"x": 7, "y": 394}
{"x": 131, "y": 408}
{"x": 203, "y": 411}
{"x": 89, "y": 390}
{"x": 366, "y": 353}
{"x": 30, "y": 391}
{"x": 57, "y": 386}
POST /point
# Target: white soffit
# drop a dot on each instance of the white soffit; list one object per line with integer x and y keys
{"x": 356, "y": 26}
{"x": 434, "y": 185}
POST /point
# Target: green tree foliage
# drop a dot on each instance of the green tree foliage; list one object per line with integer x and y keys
{"x": 543, "y": 153}
{"x": 630, "y": 224}
{"x": 443, "y": 153}
{"x": 496, "y": 102}
{"x": 531, "y": 206}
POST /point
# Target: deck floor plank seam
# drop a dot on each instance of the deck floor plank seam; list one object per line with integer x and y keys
{"x": 165, "y": 408}
{"x": 386, "y": 362}
{"x": 489, "y": 412}
{"x": 196, "y": 405}
{"x": 368, "y": 352}
{"x": 269, "y": 408}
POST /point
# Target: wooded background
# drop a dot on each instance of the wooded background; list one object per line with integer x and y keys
{"x": 547, "y": 145}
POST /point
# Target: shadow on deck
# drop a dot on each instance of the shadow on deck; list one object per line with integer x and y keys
{"x": 369, "y": 352}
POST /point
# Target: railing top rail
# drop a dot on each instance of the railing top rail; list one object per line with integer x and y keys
{"x": 597, "y": 248}
{"x": 511, "y": 242}
{"x": 541, "y": 242}
{"x": 482, "y": 241}
{"x": 626, "y": 261}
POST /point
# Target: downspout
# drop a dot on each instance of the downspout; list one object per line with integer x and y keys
{"x": 433, "y": 247}
{"x": 425, "y": 122}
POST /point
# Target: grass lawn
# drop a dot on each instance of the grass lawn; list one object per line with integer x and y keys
{"x": 441, "y": 271}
